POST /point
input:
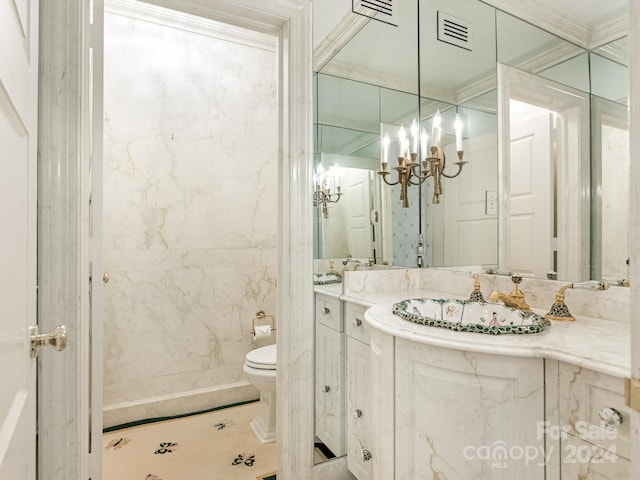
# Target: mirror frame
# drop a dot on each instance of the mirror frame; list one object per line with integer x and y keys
{"x": 514, "y": 83}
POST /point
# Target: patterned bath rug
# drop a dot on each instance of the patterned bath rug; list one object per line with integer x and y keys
{"x": 218, "y": 445}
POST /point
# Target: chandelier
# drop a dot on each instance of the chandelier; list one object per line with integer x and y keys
{"x": 324, "y": 193}
{"x": 409, "y": 170}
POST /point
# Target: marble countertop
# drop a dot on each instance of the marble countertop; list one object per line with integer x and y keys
{"x": 331, "y": 290}
{"x": 603, "y": 346}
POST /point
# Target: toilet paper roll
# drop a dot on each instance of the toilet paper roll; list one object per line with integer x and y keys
{"x": 262, "y": 331}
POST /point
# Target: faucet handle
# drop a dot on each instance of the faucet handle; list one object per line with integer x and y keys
{"x": 476, "y": 295}
{"x": 516, "y": 278}
{"x": 559, "y": 310}
{"x": 591, "y": 285}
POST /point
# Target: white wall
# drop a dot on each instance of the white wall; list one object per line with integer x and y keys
{"x": 190, "y": 196}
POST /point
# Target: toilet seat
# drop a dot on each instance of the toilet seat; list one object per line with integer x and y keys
{"x": 263, "y": 358}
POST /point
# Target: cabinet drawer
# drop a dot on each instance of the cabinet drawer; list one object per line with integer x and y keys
{"x": 329, "y": 312}
{"x": 356, "y": 326}
{"x": 361, "y": 451}
{"x": 585, "y": 399}
{"x": 585, "y": 461}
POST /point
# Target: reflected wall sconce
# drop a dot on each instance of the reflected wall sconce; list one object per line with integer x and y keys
{"x": 410, "y": 172}
{"x": 323, "y": 194}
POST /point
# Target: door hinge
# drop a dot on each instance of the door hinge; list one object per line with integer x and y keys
{"x": 632, "y": 393}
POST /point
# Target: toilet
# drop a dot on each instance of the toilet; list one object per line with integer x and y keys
{"x": 260, "y": 369}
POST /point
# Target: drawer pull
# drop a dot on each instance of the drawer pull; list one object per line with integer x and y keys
{"x": 326, "y": 310}
{"x": 326, "y": 388}
{"x": 357, "y": 413}
{"x": 366, "y": 455}
{"x": 356, "y": 322}
{"x": 611, "y": 417}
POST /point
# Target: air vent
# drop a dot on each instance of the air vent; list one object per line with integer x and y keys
{"x": 454, "y": 31}
{"x": 383, "y": 10}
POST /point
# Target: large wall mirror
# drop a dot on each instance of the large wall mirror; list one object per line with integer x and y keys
{"x": 378, "y": 83}
{"x": 362, "y": 222}
{"x": 372, "y": 82}
{"x": 543, "y": 184}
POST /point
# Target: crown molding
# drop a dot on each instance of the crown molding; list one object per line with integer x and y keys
{"x": 341, "y": 34}
{"x": 159, "y": 15}
{"x": 610, "y": 31}
{"x": 547, "y": 18}
{"x": 615, "y": 53}
{"x": 371, "y": 76}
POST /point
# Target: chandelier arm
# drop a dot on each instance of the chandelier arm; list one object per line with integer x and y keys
{"x": 460, "y": 165}
{"x": 415, "y": 174}
{"x": 419, "y": 177}
{"x": 384, "y": 177}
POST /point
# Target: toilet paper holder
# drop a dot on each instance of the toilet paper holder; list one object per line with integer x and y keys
{"x": 261, "y": 316}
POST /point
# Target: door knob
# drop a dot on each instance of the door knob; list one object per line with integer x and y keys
{"x": 56, "y": 338}
{"x": 105, "y": 278}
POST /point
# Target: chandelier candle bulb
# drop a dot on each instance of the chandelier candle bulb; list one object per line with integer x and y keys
{"x": 414, "y": 136}
{"x": 424, "y": 140}
{"x": 402, "y": 135}
{"x": 435, "y": 129}
{"x": 458, "y": 126}
{"x": 385, "y": 150}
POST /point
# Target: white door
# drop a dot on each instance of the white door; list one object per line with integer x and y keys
{"x": 358, "y": 207}
{"x": 18, "y": 150}
{"x": 470, "y": 230}
{"x": 531, "y": 200}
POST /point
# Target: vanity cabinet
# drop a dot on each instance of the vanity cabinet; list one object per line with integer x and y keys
{"x": 329, "y": 371}
{"x": 370, "y": 387}
{"x": 593, "y": 425}
{"x": 462, "y": 415}
{"x": 439, "y": 411}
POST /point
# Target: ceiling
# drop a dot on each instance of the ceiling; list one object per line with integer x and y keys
{"x": 587, "y": 23}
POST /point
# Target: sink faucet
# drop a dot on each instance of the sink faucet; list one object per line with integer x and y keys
{"x": 332, "y": 270}
{"x": 515, "y": 299}
{"x": 559, "y": 310}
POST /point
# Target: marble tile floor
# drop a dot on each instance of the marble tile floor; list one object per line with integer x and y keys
{"x": 217, "y": 445}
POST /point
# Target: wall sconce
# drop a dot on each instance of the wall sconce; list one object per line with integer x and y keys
{"x": 433, "y": 165}
{"x": 323, "y": 196}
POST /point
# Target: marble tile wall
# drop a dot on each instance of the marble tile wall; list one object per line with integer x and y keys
{"x": 190, "y": 226}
